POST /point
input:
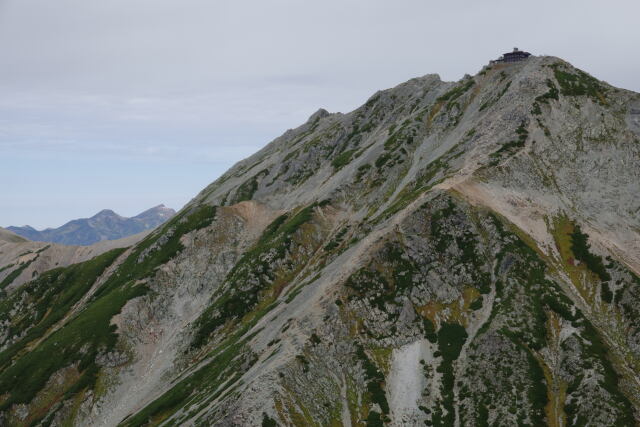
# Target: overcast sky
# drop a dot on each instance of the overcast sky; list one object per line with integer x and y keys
{"x": 126, "y": 104}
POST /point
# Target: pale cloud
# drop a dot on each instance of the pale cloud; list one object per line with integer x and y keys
{"x": 179, "y": 90}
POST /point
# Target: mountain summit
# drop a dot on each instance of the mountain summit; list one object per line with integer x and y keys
{"x": 449, "y": 254}
{"x": 105, "y": 225}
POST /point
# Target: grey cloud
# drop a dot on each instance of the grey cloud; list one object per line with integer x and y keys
{"x": 194, "y": 81}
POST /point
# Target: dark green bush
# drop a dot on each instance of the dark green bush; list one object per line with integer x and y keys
{"x": 267, "y": 421}
{"x": 605, "y": 293}
{"x": 476, "y": 304}
{"x": 451, "y": 338}
{"x": 247, "y": 189}
{"x": 382, "y": 160}
{"x": 374, "y": 378}
{"x": 580, "y": 248}
{"x": 374, "y": 419}
{"x": 342, "y": 159}
{"x": 456, "y": 92}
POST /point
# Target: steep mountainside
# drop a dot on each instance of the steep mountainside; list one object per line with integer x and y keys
{"x": 105, "y": 225}
{"x": 448, "y": 254}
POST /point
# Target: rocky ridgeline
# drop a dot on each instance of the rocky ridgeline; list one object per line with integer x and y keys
{"x": 448, "y": 254}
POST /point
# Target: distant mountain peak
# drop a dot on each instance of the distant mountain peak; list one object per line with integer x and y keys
{"x": 105, "y": 225}
{"x": 105, "y": 212}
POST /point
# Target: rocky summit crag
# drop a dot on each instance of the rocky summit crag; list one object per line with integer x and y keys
{"x": 105, "y": 225}
{"x": 449, "y": 254}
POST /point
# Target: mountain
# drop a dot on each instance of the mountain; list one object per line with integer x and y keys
{"x": 105, "y": 225}
{"x": 450, "y": 253}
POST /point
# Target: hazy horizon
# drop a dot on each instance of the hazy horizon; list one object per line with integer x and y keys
{"x": 127, "y": 105}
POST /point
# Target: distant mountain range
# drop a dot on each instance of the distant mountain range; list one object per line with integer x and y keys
{"x": 105, "y": 225}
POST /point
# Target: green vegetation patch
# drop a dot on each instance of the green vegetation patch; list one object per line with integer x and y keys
{"x": 580, "y": 248}
{"x": 247, "y": 189}
{"x": 15, "y": 273}
{"x": 6, "y": 267}
{"x": 456, "y": 92}
{"x": 42, "y": 249}
{"x": 267, "y": 421}
{"x": 579, "y": 84}
{"x": 342, "y": 159}
{"x": 484, "y": 71}
{"x": 368, "y": 282}
{"x": 374, "y": 419}
{"x": 382, "y": 160}
{"x": 402, "y": 136}
{"x": 476, "y": 304}
{"x": 451, "y": 338}
{"x": 337, "y": 240}
{"x": 375, "y": 384}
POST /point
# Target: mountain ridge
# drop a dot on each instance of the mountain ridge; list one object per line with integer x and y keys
{"x": 104, "y": 225}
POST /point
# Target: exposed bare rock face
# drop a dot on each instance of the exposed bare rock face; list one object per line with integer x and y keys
{"x": 451, "y": 253}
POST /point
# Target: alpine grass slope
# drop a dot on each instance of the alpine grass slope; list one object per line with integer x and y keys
{"x": 460, "y": 254}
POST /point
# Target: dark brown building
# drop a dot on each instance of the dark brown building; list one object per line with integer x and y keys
{"x": 514, "y": 56}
